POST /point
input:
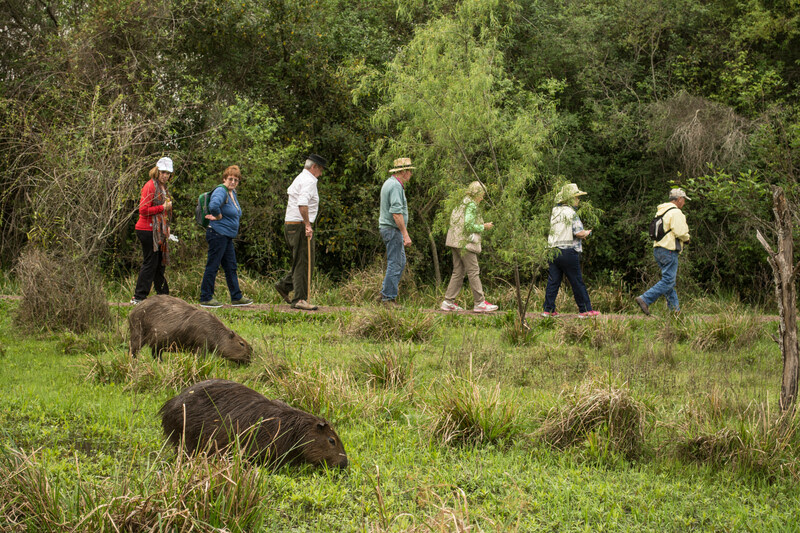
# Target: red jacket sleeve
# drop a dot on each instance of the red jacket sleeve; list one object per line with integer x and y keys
{"x": 146, "y": 207}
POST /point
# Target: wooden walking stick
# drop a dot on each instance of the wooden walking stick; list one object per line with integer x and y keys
{"x": 308, "y": 296}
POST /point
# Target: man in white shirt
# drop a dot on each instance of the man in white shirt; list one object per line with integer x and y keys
{"x": 301, "y": 212}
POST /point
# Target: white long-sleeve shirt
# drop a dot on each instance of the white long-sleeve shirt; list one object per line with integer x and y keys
{"x": 302, "y": 191}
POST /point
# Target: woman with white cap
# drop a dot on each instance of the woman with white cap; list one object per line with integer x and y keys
{"x": 152, "y": 229}
{"x": 566, "y": 234}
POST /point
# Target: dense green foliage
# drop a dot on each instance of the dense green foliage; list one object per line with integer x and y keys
{"x": 625, "y": 98}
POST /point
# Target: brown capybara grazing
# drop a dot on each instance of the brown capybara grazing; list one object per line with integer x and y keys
{"x": 212, "y": 414}
{"x": 168, "y": 323}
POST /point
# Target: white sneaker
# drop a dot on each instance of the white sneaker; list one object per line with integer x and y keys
{"x": 447, "y": 306}
{"x": 484, "y": 307}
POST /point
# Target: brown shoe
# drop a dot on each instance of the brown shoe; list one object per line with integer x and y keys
{"x": 304, "y": 305}
{"x": 283, "y": 293}
{"x": 643, "y": 305}
{"x": 391, "y": 304}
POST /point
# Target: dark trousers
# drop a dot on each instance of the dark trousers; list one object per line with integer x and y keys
{"x": 297, "y": 278}
{"x": 152, "y": 271}
{"x": 220, "y": 253}
{"x": 567, "y": 263}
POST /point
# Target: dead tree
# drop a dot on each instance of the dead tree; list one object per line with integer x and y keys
{"x": 785, "y": 274}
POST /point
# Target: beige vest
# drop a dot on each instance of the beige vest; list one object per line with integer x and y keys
{"x": 455, "y": 235}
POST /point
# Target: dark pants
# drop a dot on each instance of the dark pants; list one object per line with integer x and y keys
{"x": 152, "y": 271}
{"x": 567, "y": 263}
{"x": 297, "y": 278}
{"x": 220, "y": 253}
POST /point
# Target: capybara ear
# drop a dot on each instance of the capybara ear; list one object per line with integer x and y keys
{"x": 231, "y": 334}
{"x": 321, "y": 425}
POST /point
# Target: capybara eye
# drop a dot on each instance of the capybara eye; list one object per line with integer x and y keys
{"x": 332, "y": 441}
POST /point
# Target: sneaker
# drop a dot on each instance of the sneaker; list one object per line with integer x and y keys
{"x": 283, "y": 293}
{"x": 484, "y": 307}
{"x": 242, "y": 301}
{"x": 135, "y": 301}
{"x": 548, "y": 314}
{"x": 643, "y": 305}
{"x": 447, "y": 306}
{"x": 304, "y": 305}
{"x": 588, "y": 314}
{"x": 211, "y": 303}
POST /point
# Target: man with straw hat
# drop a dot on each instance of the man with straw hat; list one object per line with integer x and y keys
{"x": 674, "y": 236}
{"x": 393, "y": 225}
{"x": 301, "y": 212}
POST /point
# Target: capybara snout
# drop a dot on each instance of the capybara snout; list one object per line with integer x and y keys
{"x": 165, "y": 322}
{"x": 215, "y": 413}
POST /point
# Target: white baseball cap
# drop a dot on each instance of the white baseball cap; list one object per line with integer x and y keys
{"x": 164, "y": 164}
{"x": 678, "y": 193}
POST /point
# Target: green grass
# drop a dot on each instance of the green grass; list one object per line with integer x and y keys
{"x": 81, "y": 436}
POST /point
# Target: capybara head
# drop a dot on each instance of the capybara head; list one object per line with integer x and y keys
{"x": 234, "y": 348}
{"x": 323, "y": 446}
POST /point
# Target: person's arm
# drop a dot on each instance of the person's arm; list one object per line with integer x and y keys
{"x": 401, "y": 225}
{"x": 146, "y": 207}
{"x": 304, "y": 213}
{"x": 215, "y": 203}
{"x": 679, "y": 227}
{"x": 577, "y": 229}
{"x": 470, "y": 217}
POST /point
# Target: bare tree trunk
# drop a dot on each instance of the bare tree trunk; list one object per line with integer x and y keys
{"x": 785, "y": 274}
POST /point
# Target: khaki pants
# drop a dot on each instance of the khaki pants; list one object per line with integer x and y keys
{"x": 464, "y": 262}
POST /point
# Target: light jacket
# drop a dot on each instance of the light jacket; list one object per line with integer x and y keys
{"x": 466, "y": 226}
{"x": 675, "y": 221}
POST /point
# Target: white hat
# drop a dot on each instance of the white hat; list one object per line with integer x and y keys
{"x": 164, "y": 164}
{"x": 674, "y": 194}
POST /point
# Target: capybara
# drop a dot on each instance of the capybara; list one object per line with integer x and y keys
{"x": 168, "y": 323}
{"x": 211, "y": 414}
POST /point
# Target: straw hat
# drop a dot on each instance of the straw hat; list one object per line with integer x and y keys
{"x": 568, "y": 191}
{"x": 403, "y": 163}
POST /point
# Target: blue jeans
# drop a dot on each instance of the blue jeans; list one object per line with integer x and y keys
{"x": 220, "y": 252}
{"x": 395, "y": 261}
{"x": 567, "y": 263}
{"x": 668, "y": 261}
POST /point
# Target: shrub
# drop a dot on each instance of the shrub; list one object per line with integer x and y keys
{"x": 760, "y": 444}
{"x": 390, "y": 368}
{"x": 60, "y": 292}
{"x": 384, "y": 324}
{"x": 597, "y": 405}
{"x": 465, "y": 413}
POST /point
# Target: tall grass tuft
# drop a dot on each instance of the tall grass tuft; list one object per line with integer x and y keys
{"x": 60, "y": 292}
{"x": 733, "y": 327}
{"x": 597, "y": 410}
{"x": 326, "y": 393}
{"x": 759, "y": 443}
{"x": 390, "y": 368}
{"x": 465, "y": 413}
{"x": 143, "y": 374}
{"x": 383, "y": 324}
{"x": 595, "y": 333}
{"x": 196, "y": 495}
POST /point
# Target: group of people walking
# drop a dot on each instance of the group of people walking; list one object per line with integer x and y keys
{"x": 464, "y": 238}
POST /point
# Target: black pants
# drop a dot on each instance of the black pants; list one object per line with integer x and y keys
{"x": 152, "y": 271}
{"x": 297, "y": 278}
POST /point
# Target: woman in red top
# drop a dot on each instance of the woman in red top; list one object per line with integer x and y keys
{"x": 152, "y": 229}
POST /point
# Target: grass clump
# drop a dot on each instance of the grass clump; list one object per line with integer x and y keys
{"x": 390, "y": 368}
{"x": 757, "y": 443}
{"x": 597, "y": 410}
{"x": 465, "y": 413}
{"x": 383, "y": 324}
{"x": 326, "y": 393}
